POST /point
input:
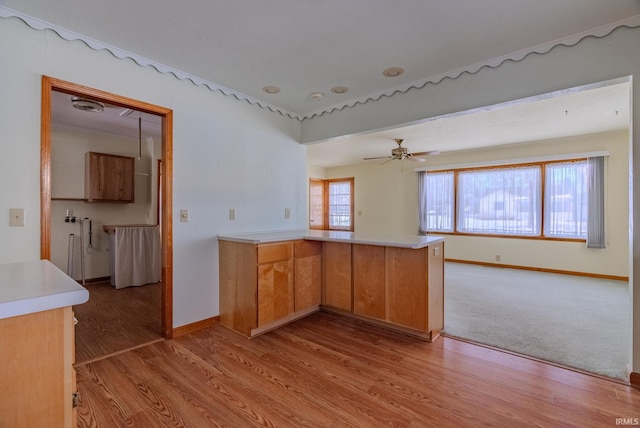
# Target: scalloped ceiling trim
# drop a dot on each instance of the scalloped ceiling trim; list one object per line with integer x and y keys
{"x": 598, "y": 33}
{"x": 38, "y": 24}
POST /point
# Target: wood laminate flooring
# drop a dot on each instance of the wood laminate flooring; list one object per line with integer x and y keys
{"x": 114, "y": 320}
{"x": 331, "y": 371}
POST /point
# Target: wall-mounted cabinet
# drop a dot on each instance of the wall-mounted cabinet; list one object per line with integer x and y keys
{"x": 109, "y": 178}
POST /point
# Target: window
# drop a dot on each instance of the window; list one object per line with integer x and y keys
{"x": 565, "y": 203}
{"x": 439, "y": 195}
{"x": 503, "y": 201}
{"x": 331, "y": 204}
{"x": 509, "y": 200}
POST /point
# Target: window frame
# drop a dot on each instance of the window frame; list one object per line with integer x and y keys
{"x": 541, "y": 236}
{"x": 325, "y": 203}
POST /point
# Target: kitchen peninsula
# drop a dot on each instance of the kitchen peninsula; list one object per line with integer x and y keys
{"x": 269, "y": 279}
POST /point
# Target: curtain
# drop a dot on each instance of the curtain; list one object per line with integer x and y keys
{"x": 595, "y": 218}
{"x": 436, "y": 193}
{"x": 136, "y": 258}
{"x": 422, "y": 201}
{"x": 500, "y": 201}
{"x": 566, "y": 199}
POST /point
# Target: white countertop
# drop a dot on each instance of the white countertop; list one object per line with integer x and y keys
{"x": 35, "y": 286}
{"x": 389, "y": 240}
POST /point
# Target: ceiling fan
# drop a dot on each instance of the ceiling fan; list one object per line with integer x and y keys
{"x": 401, "y": 153}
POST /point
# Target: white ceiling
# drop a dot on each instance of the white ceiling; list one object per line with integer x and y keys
{"x": 578, "y": 111}
{"x": 306, "y": 46}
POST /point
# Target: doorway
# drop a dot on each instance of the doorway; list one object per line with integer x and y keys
{"x": 50, "y": 85}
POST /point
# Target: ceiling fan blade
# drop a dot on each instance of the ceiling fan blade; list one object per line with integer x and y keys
{"x": 415, "y": 159}
{"x": 432, "y": 152}
{"x": 388, "y": 160}
{"x": 379, "y": 157}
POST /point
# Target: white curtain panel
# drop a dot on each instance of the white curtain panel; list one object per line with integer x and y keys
{"x": 136, "y": 256}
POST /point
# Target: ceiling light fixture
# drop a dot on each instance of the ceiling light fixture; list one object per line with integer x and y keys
{"x": 85, "y": 104}
{"x": 316, "y": 96}
{"x": 271, "y": 89}
{"x": 393, "y": 72}
{"x": 339, "y": 89}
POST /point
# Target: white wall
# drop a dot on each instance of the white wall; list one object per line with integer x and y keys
{"x": 227, "y": 154}
{"x": 386, "y": 198}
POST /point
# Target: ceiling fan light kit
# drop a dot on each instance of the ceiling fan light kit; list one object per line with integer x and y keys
{"x": 402, "y": 153}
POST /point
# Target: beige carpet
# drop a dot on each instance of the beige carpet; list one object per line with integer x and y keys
{"x": 570, "y": 320}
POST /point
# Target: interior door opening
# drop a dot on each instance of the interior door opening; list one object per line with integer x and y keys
{"x": 163, "y": 170}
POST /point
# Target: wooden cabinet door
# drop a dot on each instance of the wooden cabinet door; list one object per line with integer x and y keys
{"x": 275, "y": 291}
{"x": 336, "y": 266}
{"x": 369, "y": 281}
{"x": 406, "y": 277}
{"x": 308, "y": 274}
{"x": 109, "y": 178}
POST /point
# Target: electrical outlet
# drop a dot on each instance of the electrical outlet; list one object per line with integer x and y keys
{"x": 498, "y": 258}
{"x": 287, "y": 213}
{"x": 16, "y": 216}
{"x": 232, "y": 214}
{"x": 184, "y": 215}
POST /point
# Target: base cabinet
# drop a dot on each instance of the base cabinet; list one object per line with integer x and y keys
{"x": 336, "y": 281}
{"x": 263, "y": 286}
{"x": 308, "y": 274}
{"x": 399, "y": 287}
{"x": 38, "y": 378}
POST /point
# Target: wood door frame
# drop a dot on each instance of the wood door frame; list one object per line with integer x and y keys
{"x": 50, "y": 84}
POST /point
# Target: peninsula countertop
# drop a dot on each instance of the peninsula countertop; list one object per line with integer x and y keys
{"x": 35, "y": 286}
{"x": 383, "y": 239}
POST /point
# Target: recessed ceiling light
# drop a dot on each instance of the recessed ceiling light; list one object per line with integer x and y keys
{"x": 271, "y": 89}
{"x": 339, "y": 89}
{"x": 316, "y": 96}
{"x": 393, "y": 72}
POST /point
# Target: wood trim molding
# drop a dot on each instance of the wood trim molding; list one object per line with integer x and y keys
{"x": 52, "y": 84}
{"x": 538, "y": 269}
{"x": 193, "y": 327}
{"x": 634, "y": 379}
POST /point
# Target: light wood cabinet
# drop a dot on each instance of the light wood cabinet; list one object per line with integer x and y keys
{"x": 275, "y": 282}
{"x": 308, "y": 274}
{"x": 264, "y": 286}
{"x": 38, "y": 378}
{"x": 400, "y": 287}
{"x": 336, "y": 275}
{"x": 369, "y": 297}
{"x": 109, "y": 178}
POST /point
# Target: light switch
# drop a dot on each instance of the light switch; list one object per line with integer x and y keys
{"x": 184, "y": 216}
{"x": 16, "y": 216}
{"x": 232, "y": 214}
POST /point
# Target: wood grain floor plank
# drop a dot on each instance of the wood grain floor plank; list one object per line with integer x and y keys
{"x": 331, "y": 371}
{"x": 114, "y": 320}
